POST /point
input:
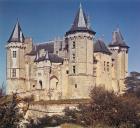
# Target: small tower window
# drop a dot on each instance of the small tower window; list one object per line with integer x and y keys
{"x": 73, "y": 45}
{"x": 13, "y": 72}
{"x": 40, "y": 82}
{"x": 75, "y": 85}
{"x": 104, "y": 65}
{"x": 67, "y": 71}
{"x": 14, "y": 54}
{"x": 73, "y": 56}
{"x": 94, "y": 72}
{"x": 108, "y": 66}
{"x": 56, "y": 84}
{"x": 74, "y": 69}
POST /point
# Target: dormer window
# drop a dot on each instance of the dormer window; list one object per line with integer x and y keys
{"x": 14, "y": 54}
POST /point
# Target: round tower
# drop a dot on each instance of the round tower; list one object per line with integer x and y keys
{"x": 119, "y": 51}
{"x": 16, "y": 61}
{"x": 80, "y": 53}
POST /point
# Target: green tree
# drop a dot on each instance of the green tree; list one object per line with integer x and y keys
{"x": 106, "y": 108}
{"x": 10, "y": 115}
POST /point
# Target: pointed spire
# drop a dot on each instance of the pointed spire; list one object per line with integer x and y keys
{"x": 17, "y": 35}
{"x": 80, "y": 23}
{"x": 82, "y": 20}
{"x": 117, "y": 39}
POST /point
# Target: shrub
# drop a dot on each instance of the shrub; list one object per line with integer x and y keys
{"x": 10, "y": 115}
{"x": 106, "y": 108}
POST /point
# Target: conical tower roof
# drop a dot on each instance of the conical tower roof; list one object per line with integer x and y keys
{"x": 17, "y": 35}
{"x": 100, "y": 46}
{"x": 80, "y": 23}
{"x": 117, "y": 39}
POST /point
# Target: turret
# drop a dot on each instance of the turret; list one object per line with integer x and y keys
{"x": 119, "y": 51}
{"x": 80, "y": 53}
{"x": 16, "y": 61}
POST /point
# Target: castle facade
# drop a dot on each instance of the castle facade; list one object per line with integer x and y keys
{"x": 66, "y": 68}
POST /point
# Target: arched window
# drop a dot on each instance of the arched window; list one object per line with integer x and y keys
{"x": 54, "y": 82}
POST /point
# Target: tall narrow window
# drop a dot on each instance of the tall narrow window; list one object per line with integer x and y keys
{"x": 14, "y": 54}
{"x": 14, "y": 72}
{"x": 40, "y": 82}
{"x": 94, "y": 72}
{"x": 108, "y": 66}
{"x": 74, "y": 69}
{"x": 73, "y": 45}
{"x": 104, "y": 65}
{"x": 73, "y": 56}
{"x": 56, "y": 84}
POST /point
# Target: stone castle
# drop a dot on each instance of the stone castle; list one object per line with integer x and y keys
{"x": 66, "y": 68}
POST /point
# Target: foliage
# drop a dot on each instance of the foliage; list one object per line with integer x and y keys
{"x": 9, "y": 112}
{"x": 52, "y": 121}
{"x": 105, "y": 108}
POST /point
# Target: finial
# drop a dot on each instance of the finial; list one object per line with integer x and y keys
{"x": 118, "y": 28}
{"x": 80, "y": 5}
{"x": 17, "y": 20}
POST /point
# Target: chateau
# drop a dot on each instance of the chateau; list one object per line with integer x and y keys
{"x": 66, "y": 68}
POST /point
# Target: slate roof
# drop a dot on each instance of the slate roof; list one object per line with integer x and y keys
{"x": 17, "y": 35}
{"x": 52, "y": 57}
{"x": 100, "y": 46}
{"x": 46, "y": 46}
{"x": 49, "y": 48}
{"x": 117, "y": 39}
{"x": 80, "y": 23}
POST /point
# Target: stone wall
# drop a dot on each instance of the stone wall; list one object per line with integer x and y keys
{"x": 40, "y": 110}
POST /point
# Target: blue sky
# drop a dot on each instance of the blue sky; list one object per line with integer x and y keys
{"x": 44, "y": 20}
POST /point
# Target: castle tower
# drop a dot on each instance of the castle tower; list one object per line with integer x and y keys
{"x": 16, "y": 61}
{"x": 80, "y": 53}
{"x": 102, "y": 65}
{"x": 119, "y": 51}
